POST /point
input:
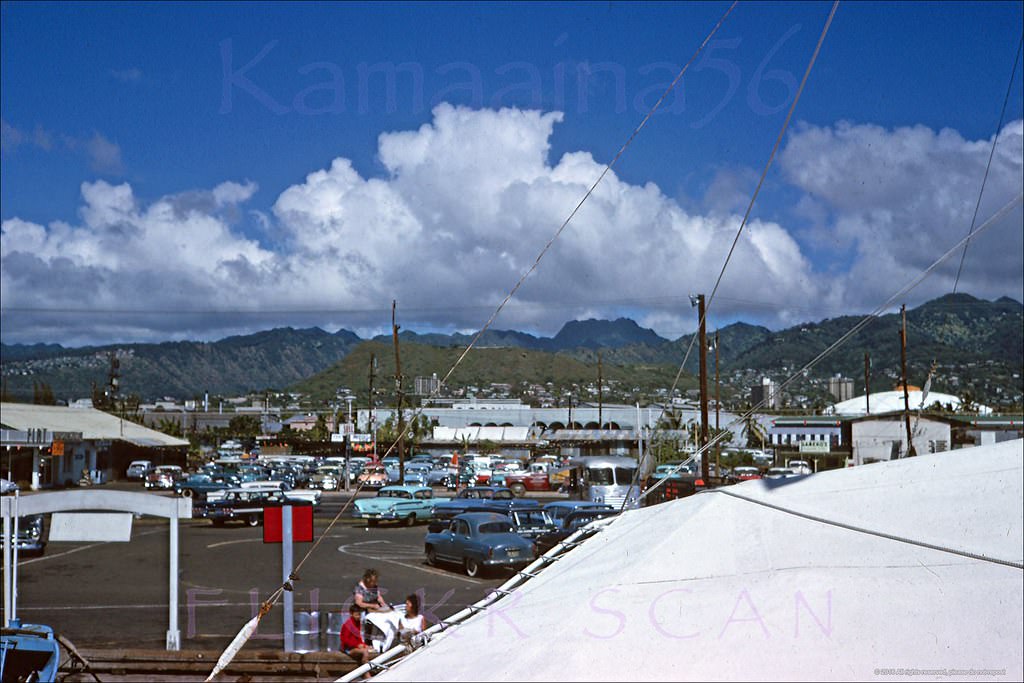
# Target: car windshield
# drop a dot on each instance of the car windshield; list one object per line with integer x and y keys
{"x": 495, "y": 528}
{"x": 532, "y": 517}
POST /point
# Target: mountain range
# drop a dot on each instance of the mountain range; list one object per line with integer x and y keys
{"x": 957, "y": 332}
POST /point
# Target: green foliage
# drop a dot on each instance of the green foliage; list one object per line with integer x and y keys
{"x": 244, "y": 425}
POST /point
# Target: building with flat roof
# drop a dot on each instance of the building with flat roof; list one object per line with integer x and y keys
{"x": 53, "y": 445}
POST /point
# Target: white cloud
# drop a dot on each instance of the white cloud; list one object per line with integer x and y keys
{"x": 900, "y": 198}
{"x": 466, "y": 204}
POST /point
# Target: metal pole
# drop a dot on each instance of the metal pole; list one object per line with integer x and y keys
{"x": 867, "y": 383}
{"x": 718, "y": 448}
{"x": 398, "y": 393}
{"x": 14, "y": 561}
{"x": 286, "y": 573}
{"x": 173, "y": 634}
{"x": 906, "y": 392}
{"x": 600, "y": 394}
{"x": 702, "y": 331}
{"x": 8, "y": 569}
{"x": 639, "y": 438}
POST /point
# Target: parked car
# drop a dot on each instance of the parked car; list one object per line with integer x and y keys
{"x": 242, "y": 505}
{"x": 407, "y": 504}
{"x": 416, "y": 474}
{"x": 477, "y": 541}
{"x": 328, "y": 478}
{"x": 779, "y": 473}
{"x": 268, "y": 486}
{"x": 137, "y": 469}
{"x": 198, "y": 485}
{"x": 572, "y": 523}
{"x": 676, "y": 470}
{"x": 534, "y": 479}
{"x": 476, "y": 498}
{"x": 800, "y": 466}
{"x": 561, "y": 509}
{"x": 373, "y": 477}
{"x": 31, "y": 539}
{"x": 7, "y": 486}
{"x": 528, "y": 522}
{"x": 163, "y": 477}
{"x": 744, "y": 473}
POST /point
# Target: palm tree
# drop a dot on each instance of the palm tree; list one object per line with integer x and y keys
{"x": 754, "y": 432}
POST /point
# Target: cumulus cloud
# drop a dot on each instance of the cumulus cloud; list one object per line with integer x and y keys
{"x": 897, "y": 199}
{"x": 464, "y": 206}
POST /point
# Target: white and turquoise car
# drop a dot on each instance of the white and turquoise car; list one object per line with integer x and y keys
{"x": 406, "y": 504}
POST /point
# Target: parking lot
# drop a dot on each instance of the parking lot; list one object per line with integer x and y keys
{"x": 115, "y": 594}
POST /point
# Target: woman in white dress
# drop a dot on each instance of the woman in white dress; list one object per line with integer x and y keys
{"x": 413, "y": 622}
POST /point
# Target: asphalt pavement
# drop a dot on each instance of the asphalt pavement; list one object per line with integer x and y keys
{"x": 115, "y": 594}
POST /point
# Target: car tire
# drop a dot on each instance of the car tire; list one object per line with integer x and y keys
{"x": 431, "y": 556}
{"x": 518, "y": 490}
{"x": 187, "y": 493}
{"x": 473, "y": 567}
{"x": 253, "y": 520}
{"x": 410, "y": 520}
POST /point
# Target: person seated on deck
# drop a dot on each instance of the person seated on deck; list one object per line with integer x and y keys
{"x": 352, "y": 642}
{"x": 367, "y": 594}
{"x": 413, "y": 622}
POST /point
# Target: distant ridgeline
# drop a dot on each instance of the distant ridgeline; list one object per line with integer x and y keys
{"x": 981, "y": 343}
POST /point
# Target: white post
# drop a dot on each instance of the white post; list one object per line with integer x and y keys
{"x": 173, "y": 634}
{"x": 286, "y": 572}
{"x": 639, "y": 436}
{"x": 14, "y": 561}
{"x": 36, "y": 463}
{"x": 7, "y": 566}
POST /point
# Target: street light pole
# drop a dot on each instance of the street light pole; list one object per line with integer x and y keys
{"x": 698, "y": 300}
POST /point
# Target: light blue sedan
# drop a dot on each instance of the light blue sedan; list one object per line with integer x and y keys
{"x": 406, "y": 504}
{"x": 478, "y": 541}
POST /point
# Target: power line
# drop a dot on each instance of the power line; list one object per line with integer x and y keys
{"x": 988, "y": 166}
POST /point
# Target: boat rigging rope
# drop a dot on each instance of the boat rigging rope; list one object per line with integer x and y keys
{"x": 750, "y": 207}
{"x": 871, "y": 532}
{"x": 988, "y": 166}
{"x": 999, "y": 215}
{"x": 249, "y": 628}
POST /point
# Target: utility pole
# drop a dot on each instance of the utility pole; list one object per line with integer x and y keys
{"x": 867, "y": 383}
{"x": 906, "y": 392}
{"x": 600, "y": 394}
{"x": 373, "y": 432}
{"x": 398, "y": 398}
{"x": 703, "y": 342}
{"x": 717, "y": 384}
{"x": 718, "y": 448}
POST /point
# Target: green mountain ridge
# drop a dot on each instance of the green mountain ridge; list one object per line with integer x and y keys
{"x": 976, "y": 343}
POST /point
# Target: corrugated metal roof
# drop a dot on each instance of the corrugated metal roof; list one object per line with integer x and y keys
{"x": 93, "y": 424}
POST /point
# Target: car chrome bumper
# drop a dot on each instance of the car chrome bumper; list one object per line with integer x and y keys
{"x": 507, "y": 561}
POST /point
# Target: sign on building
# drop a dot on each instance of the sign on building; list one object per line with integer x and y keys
{"x": 814, "y": 447}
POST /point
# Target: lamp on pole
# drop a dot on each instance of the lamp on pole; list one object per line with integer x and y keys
{"x": 698, "y": 301}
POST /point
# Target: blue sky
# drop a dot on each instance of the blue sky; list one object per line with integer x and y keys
{"x": 157, "y": 98}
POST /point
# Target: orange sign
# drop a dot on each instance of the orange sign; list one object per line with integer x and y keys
{"x": 57, "y": 448}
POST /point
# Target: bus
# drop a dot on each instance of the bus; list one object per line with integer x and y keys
{"x": 604, "y": 479}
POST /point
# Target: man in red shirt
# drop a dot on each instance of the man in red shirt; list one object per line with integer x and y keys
{"x": 352, "y": 642}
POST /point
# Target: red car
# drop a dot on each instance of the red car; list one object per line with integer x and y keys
{"x": 744, "y": 474}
